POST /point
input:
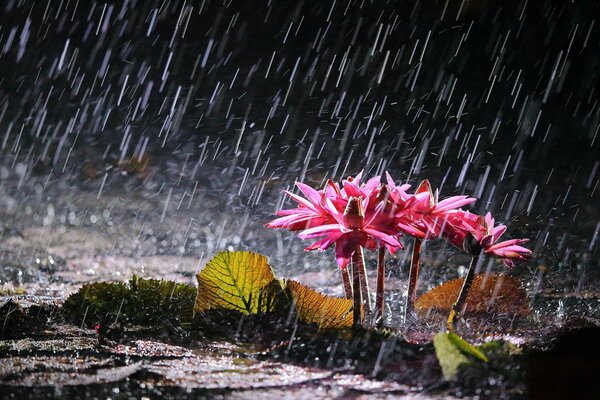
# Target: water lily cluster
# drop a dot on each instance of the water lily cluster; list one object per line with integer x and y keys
{"x": 375, "y": 215}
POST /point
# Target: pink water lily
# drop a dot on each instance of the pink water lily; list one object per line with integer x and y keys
{"x": 348, "y": 217}
{"x": 430, "y": 216}
{"x": 356, "y": 225}
{"x": 508, "y": 251}
{"x": 486, "y": 236}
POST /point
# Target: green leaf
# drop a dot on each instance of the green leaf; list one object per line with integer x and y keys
{"x": 326, "y": 311}
{"x": 466, "y": 347}
{"x": 454, "y": 353}
{"x": 139, "y": 301}
{"x": 240, "y": 280}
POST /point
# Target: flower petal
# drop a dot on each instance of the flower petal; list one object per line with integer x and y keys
{"x": 453, "y": 202}
{"x": 321, "y": 230}
{"x": 352, "y": 190}
{"x": 324, "y": 243}
{"x": 314, "y": 196}
{"x": 334, "y": 212}
{"x": 385, "y": 238}
{"x": 301, "y": 200}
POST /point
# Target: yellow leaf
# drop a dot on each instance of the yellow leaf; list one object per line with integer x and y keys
{"x": 326, "y": 311}
{"x": 495, "y": 294}
{"x": 240, "y": 280}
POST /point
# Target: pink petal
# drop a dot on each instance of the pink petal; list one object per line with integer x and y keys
{"x": 284, "y": 222}
{"x": 352, "y": 190}
{"x": 390, "y": 180}
{"x": 453, "y": 202}
{"x": 332, "y": 190}
{"x": 385, "y": 238}
{"x": 497, "y": 232}
{"x": 297, "y": 210}
{"x": 510, "y": 242}
{"x": 514, "y": 249}
{"x": 488, "y": 222}
{"x": 310, "y": 193}
{"x": 374, "y": 214}
{"x": 324, "y": 243}
{"x": 357, "y": 178}
{"x": 335, "y": 213}
{"x": 370, "y": 186}
{"x": 342, "y": 260}
{"x": 486, "y": 241}
{"x": 301, "y": 200}
{"x": 319, "y": 231}
{"x": 411, "y": 229}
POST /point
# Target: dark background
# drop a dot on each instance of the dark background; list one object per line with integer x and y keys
{"x": 181, "y": 121}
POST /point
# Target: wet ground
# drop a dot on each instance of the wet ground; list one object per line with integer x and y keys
{"x": 47, "y": 255}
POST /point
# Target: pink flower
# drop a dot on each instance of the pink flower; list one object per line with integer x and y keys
{"x": 428, "y": 217}
{"x": 312, "y": 210}
{"x": 348, "y": 217}
{"x": 478, "y": 234}
{"x": 356, "y": 225}
{"x": 458, "y": 224}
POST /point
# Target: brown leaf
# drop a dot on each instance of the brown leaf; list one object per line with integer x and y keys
{"x": 326, "y": 311}
{"x": 135, "y": 165}
{"x": 496, "y": 294}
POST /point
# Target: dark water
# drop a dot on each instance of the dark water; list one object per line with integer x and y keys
{"x": 170, "y": 128}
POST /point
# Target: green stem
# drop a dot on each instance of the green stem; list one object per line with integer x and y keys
{"x": 379, "y": 298}
{"x": 458, "y": 307}
{"x": 413, "y": 278}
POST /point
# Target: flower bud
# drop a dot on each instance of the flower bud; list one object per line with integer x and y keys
{"x": 382, "y": 193}
{"x": 471, "y": 245}
{"x": 353, "y": 214}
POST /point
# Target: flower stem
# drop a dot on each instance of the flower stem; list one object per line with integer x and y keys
{"x": 379, "y": 299}
{"x": 364, "y": 282}
{"x": 413, "y": 278}
{"x": 357, "y": 305}
{"x": 347, "y": 284}
{"x": 457, "y": 307}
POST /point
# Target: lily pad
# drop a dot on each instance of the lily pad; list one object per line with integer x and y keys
{"x": 454, "y": 353}
{"x": 493, "y": 294}
{"x": 242, "y": 281}
{"x": 326, "y": 311}
{"x": 139, "y": 301}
